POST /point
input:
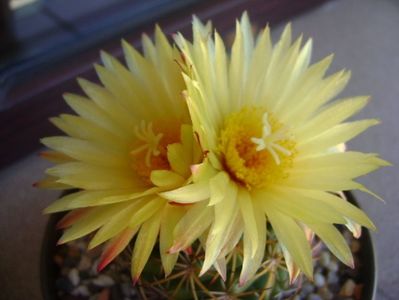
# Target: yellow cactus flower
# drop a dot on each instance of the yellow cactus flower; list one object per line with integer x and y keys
{"x": 130, "y": 140}
{"x": 271, "y": 144}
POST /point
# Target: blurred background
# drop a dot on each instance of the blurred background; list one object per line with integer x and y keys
{"x": 46, "y": 44}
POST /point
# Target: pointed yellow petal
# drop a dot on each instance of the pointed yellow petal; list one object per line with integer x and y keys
{"x": 144, "y": 244}
{"x": 189, "y": 194}
{"x": 293, "y": 238}
{"x": 90, "y": 111}
{"x": 116, "y": 224}
{"x": 72, "y": 217}
{"x": 253, "y": 259}
{"x": 334, "y": 241}
{"x": 331, "y": 116}
{"x": 107, "y": 101}
{"x": 148, "y": 210}
{"x": 347, "y": 164}
{"x": 197, "y": 219}
{"x": 86, "y": 151}
{"x": 91, "y": 221}
{"x": 338, "y": 134}
{"x": 220, "y": 266}
{"x": 298, "y": 206}
{"x": 248, "y": 214}
{"x": 86, "y": 199}
{"x": 338, "y": 204}
{"x": 91, "y": 177}
{"x": 50, "y": 182}
{"x": 55, "y": 156}
{"x": 172, "y": 215}
{"x": 225, "y": 211}
{"x": 84, "y": 129}
{"x": 293, "y": 270}
{"x": 354, "y": 227}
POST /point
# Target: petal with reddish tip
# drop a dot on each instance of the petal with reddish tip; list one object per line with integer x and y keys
{"x": 115, "y": 246}
{"x": 54, "y": 156}
{"x": 293, "y": 270}
{"x": 72, "y": 217}
{"x": 93, "y": 220}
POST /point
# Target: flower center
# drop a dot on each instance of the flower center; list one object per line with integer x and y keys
{"x": 256, "y": 148}
{"x": 151, "y": 147}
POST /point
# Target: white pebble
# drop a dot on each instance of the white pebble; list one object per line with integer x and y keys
{"x": 103, "y": 281}
{"x": 81, "y": 290}
{"x": 333, "y": 266}
{"x": 332, "y": 278}
{"x": 73, "y": 276}
{"x": 94, "y": 267}
{"x": 314, "y": 297}
{"x": 319, "y": 280}
{"x": 325, "y": 259}
{"x": 307, "y": 288}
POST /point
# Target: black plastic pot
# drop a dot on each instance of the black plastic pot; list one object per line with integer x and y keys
{"x": 49, "y": 270}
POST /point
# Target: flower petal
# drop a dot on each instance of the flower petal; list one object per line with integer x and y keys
{"x": 146, "y": 211}
{"x": 334, "y": 241}
{"x": 115, "y": 247}
{"x": 144, "y": 244}
{"x": 85, "y": 151}
{"x": 191, "y": 193}
{"x": 166, "y": 178}
{"x": 170, "y": 218}
{"x": 191, "y": 226}
{"x": 248, "y": 215}
{"x": 95, "y": 198}
{"x": 225, "y": 212}
{"x": 293, "y": 238}
{"x": 93, "y": 220}
{"x": 338, "y": 134}
{"x": 116, "y": 223}
{"x": 253, "y": 259}
{"x": 302, "y": 208}
{"x": 218, "y": 185}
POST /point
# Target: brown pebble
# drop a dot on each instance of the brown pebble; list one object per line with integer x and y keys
{"x": 348, "y": 289}
{"x": 104, "y": 295}
{"x": 355, "y": 246}
{"x": 73, "y": 252}
{"x": 358, "y": 292}
{"x": 58, "y": 260}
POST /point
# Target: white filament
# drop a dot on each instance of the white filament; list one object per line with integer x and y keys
{"x": 151, "y": 141}
{"x": 269, "y": 140}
